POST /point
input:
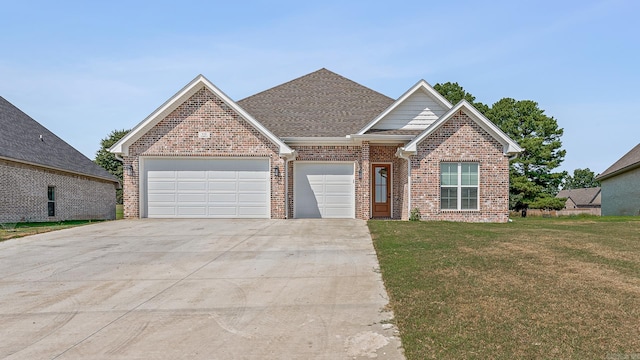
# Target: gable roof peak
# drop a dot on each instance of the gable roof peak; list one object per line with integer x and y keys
{"x": 510, "y": 147}
{"x": 319, "y": 104}
{"x": 200, "y": 81}
{"x": 423, "y": 86}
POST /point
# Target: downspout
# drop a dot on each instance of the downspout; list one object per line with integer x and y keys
{"x": 401, "y": 154}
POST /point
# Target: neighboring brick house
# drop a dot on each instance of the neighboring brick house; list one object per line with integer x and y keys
{"x": 317, "y": 146}
{"x": 620, "y": 185}
{"x": 42, "y": 178}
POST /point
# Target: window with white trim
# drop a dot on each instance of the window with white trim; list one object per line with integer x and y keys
{"x": 459, "y": 186}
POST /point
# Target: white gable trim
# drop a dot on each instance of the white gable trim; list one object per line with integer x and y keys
{"x": 510, "y": 147}
{"x": 419, "y": 86}
{"x": 122, "y": 146}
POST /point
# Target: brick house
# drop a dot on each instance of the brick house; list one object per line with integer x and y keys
{"x": 42, "y": 178}
{"x": 318, "y": 146}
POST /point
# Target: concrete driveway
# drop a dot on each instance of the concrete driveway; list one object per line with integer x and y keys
{"x": 196, "y": 289}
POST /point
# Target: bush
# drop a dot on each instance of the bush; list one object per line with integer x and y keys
{"x": 415, "y": 215}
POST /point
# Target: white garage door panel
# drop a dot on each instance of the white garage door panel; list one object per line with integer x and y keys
{"x": 324, "y": 190}
{"x": 192, "y": 211}
{"x": 201, "y": 188}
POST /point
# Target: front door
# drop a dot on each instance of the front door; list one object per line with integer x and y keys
{"x": 381, "y": 190}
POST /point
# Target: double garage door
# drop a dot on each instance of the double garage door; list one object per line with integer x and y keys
{"x": 240, "y": 188}
{"x": 207, "y": 188}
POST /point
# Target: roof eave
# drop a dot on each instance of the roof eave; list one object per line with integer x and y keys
{"x": 618, "y": 172}
{"x": 122, "y": 147}
{"x": 113, "y": 180}
{"x": 510, "y": 147}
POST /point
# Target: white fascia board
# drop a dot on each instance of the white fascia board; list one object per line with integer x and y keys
{"x": 122, "y": 146}
{"x": 319, "y": 141}
{"x": 378, "y": 138}
{"x": 510, "y": 147}
{"x": 420, "y": 85}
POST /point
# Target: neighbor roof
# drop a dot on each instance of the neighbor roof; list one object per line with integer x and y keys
{"x": 23, "y": 139}
{"x": 629, "y": 161}
{"x": 581, "y": 197}
{"x": 320, "y": 104}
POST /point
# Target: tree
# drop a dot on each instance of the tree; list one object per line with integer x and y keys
{"x": 108, "y": 160}
{"x": 582, "y": 178}
{"x": 454, "y": 93}
{"x": 530, "y": 173}
{"x": 548, "y": 202}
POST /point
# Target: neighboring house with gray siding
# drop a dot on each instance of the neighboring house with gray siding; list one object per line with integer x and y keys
{"x": 42, "y": 178}
{"x": 319, "y": 146}
{"x": 621, "y": 185}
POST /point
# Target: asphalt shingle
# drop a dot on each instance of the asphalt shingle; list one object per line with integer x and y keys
{"x": 320, "y": 104}
{"x": 581, "y": 197}
{"x": 628, "y": 161}
{"x": 23, "y": 139}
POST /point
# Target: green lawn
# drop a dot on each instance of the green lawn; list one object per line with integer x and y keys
{"x": 536, "y": 288}
{"x": 10, "y": 231}
{"x": 119, "y": 212}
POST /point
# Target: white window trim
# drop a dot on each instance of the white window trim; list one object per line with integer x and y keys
{"x": 459, "y": 186}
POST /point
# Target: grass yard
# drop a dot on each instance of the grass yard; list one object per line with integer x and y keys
{"x": 119, "y": 212}
{"x": 536, "y": 288}
{"x": 10, "y": 231}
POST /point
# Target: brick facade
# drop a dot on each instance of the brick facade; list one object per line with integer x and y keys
{"x": 24, "y": 195}
{"x": 387, "y": 154}
{"x": 355, "y": 154}
{"x": 461, "y": 140}
{"x": 177, "y": 136}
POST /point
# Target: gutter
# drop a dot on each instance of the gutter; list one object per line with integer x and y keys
{"x": 618, "y": 172}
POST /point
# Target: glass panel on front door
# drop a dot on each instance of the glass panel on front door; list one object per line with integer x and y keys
{"x": 380, "y": 184}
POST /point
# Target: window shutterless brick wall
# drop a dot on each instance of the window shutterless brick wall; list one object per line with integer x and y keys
{"x": 177, "y": 135}
{"x": 23, "y": 189}
{"x": 461, "y": 140}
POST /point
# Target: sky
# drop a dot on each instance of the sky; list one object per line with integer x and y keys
{"x": 85, "y": 68}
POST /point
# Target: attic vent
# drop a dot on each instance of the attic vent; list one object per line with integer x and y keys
{"x": 41, "y": 138}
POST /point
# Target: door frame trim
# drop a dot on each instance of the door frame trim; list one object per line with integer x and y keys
{"x": 371, "y": 192}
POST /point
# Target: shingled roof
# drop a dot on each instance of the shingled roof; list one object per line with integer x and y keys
{"x": 629, "y": 161}
{"x": 582, "y": 197}
{"x": 320, "y": 104}
{"x": 24, "y": 140}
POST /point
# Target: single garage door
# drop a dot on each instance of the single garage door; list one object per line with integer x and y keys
{"x": 207, "y": 188}
{"x": 324, "y": 190}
